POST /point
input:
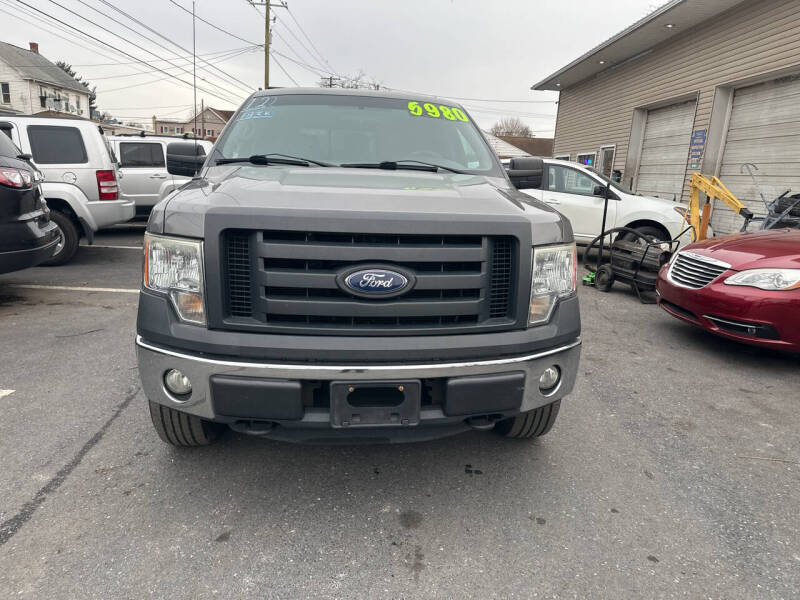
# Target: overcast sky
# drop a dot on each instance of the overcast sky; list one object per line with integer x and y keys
{"x": 467, "y": 48}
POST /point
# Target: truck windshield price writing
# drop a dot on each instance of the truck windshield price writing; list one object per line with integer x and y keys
{"x": 434, "y": 111}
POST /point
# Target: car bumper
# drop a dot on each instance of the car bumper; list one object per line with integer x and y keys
{"x": 46, "y": 239}
{"x": 293, "y": 401}
{"x": 110, "y": 212}
{"x": 744, "y": 314}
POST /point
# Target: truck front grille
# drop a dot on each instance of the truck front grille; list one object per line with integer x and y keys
{"x": 287, "y": 280}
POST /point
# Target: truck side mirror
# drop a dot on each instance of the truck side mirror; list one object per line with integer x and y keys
{"x": 525, "y": 172}
{"x": 185, "y": 159}
{"x": 600, "y": 190}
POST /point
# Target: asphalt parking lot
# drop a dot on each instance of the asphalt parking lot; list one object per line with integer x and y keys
{"x": 672, "y": 472}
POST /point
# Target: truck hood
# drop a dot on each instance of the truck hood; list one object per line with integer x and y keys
{"x": 252, "y": 190}
{"x": 775, "y": 248}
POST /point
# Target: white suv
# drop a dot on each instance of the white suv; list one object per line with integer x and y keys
{"x": 80, "y": 176}
{"x": 143, "y": 165}
{"x": 577, "y": 192}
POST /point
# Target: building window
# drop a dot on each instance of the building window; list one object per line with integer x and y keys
{"x": 5, "y": 90}
{"x": 42, "y": 97}
{"x": 178, "y": 129}
{"x": 209, "y": 132}
{"x": 78, "y": 103}
{"x": 587, "y": 159}
{"x": 562, "y": 157}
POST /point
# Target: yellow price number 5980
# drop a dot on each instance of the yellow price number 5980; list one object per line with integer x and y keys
{"x": 434, "y": 111}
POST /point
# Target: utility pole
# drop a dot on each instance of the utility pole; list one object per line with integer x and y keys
{"x": 267, "y": 37}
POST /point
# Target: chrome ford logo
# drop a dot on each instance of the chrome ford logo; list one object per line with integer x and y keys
{"x": 376, "y": 282}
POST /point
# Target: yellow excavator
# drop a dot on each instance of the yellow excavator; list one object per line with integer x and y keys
{"x": 712, "y": 187}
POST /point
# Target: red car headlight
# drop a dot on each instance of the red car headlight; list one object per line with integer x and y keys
{"x": 767, "y": 279}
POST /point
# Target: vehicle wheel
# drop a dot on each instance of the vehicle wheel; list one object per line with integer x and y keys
{"x": 181, "y": 429}
{"x": 534, "y": 423}
{"x": 70, "y": 237}
{"x": 649, "y": 232}
{"x": 604, "y": 278}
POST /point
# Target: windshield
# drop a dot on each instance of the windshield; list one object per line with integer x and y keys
{"x": 357, "y": 129}
{"x": 611, "y": 182}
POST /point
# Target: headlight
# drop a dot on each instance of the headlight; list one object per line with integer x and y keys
{"x": 767, "y": 279}
{"x": 554, "y": 275}
{"x": 174, "y": 267}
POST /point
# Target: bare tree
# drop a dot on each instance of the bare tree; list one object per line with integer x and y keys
{"x": 512, "y": 126}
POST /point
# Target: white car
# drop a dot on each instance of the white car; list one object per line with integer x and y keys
{"x": 81, "y": 178}
{"x": 577, "y": 192}
{"x": 143, "y": 166}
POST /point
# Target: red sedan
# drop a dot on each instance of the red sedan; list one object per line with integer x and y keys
{"x": 745, "y": 287}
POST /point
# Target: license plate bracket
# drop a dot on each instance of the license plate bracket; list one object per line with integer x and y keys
{"x": 375, "y": 403}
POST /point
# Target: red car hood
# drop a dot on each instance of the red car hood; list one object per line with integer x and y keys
{"x": 758, "y": 249}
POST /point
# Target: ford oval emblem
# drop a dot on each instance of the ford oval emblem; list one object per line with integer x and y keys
{"x": 376, "y": 282}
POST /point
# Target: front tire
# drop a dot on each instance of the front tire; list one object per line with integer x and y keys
{"x": 181, "y": 429}
{"x": 70, "y": 237}
{"x": 534, "y": 423}
{"x": 649, "y": 231}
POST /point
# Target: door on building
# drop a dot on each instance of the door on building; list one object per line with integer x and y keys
{"x": 605, "y": 164}
{"x": 764, "y": 130}
{"x": 665, "y": 151}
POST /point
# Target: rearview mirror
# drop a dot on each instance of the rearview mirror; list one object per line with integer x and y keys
{"x": 525, "y": 172}
{"x": 185, "y": 159}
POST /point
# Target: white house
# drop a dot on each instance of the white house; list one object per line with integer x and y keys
{"x": 29, "y": 84}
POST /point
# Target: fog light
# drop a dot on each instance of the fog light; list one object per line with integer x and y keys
{"x": 549, "y": 378}
{"x": 177, "y": 383}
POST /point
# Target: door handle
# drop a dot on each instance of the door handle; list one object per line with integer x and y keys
{"x": 552, "y": 201}
{"x": 158, "y": 176}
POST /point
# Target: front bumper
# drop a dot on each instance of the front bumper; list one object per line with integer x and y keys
{"x": 744, "y": 314}
{"x": 313, "y": 422}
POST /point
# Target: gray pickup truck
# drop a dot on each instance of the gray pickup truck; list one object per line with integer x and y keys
{"x": 355, "y": 266}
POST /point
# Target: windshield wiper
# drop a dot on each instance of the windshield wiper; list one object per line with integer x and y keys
{"x": 393, "y": 165}
{"x": 273, "y": 159}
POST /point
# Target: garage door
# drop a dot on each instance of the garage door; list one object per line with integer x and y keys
{"x": 665, "y": 150}
{"x": 764, "y": 130}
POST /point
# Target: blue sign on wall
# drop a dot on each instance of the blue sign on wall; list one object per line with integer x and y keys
{"x": 696, "y": 147}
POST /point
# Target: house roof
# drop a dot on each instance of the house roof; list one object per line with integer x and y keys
{"x": 225, "y": 115}
{"x": 32, "y": 65}
{"x": 502, "y": 148}
{"x": 673, "y": 18}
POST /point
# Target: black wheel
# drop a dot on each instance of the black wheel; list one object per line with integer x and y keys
{"x": 70, "y": 237}
{"x": 604, "y": 278}
{"x": 181, "y": 429}
{"x": 534, "y": 423}
{"x": 649, "y": 231}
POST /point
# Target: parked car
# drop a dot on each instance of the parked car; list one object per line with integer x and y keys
{"x": 27, "y": 235}
{"x": 745, "y": 287}
{"x": 578, "y": 193}
{"x": 80, "y": 171}
{"x": 354, "y": 265}
{"x": 143, "y": 168}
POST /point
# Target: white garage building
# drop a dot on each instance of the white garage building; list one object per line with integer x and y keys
{"x": 697, "y": 86}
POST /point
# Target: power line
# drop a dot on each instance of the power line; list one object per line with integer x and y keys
{"x": 246, "y": 86}
{"x": 129, "y": 55}
{"x": 210, "y": 24}
{"x": 292, "y": 79}
{"x": 302, "y": 45}
{"x": 303, "y": 31}
{"x": 130, "y": 42}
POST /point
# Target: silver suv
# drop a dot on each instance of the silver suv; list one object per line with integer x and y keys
{"x": 81, "y": 178}
{"x": 143, "y": 167}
